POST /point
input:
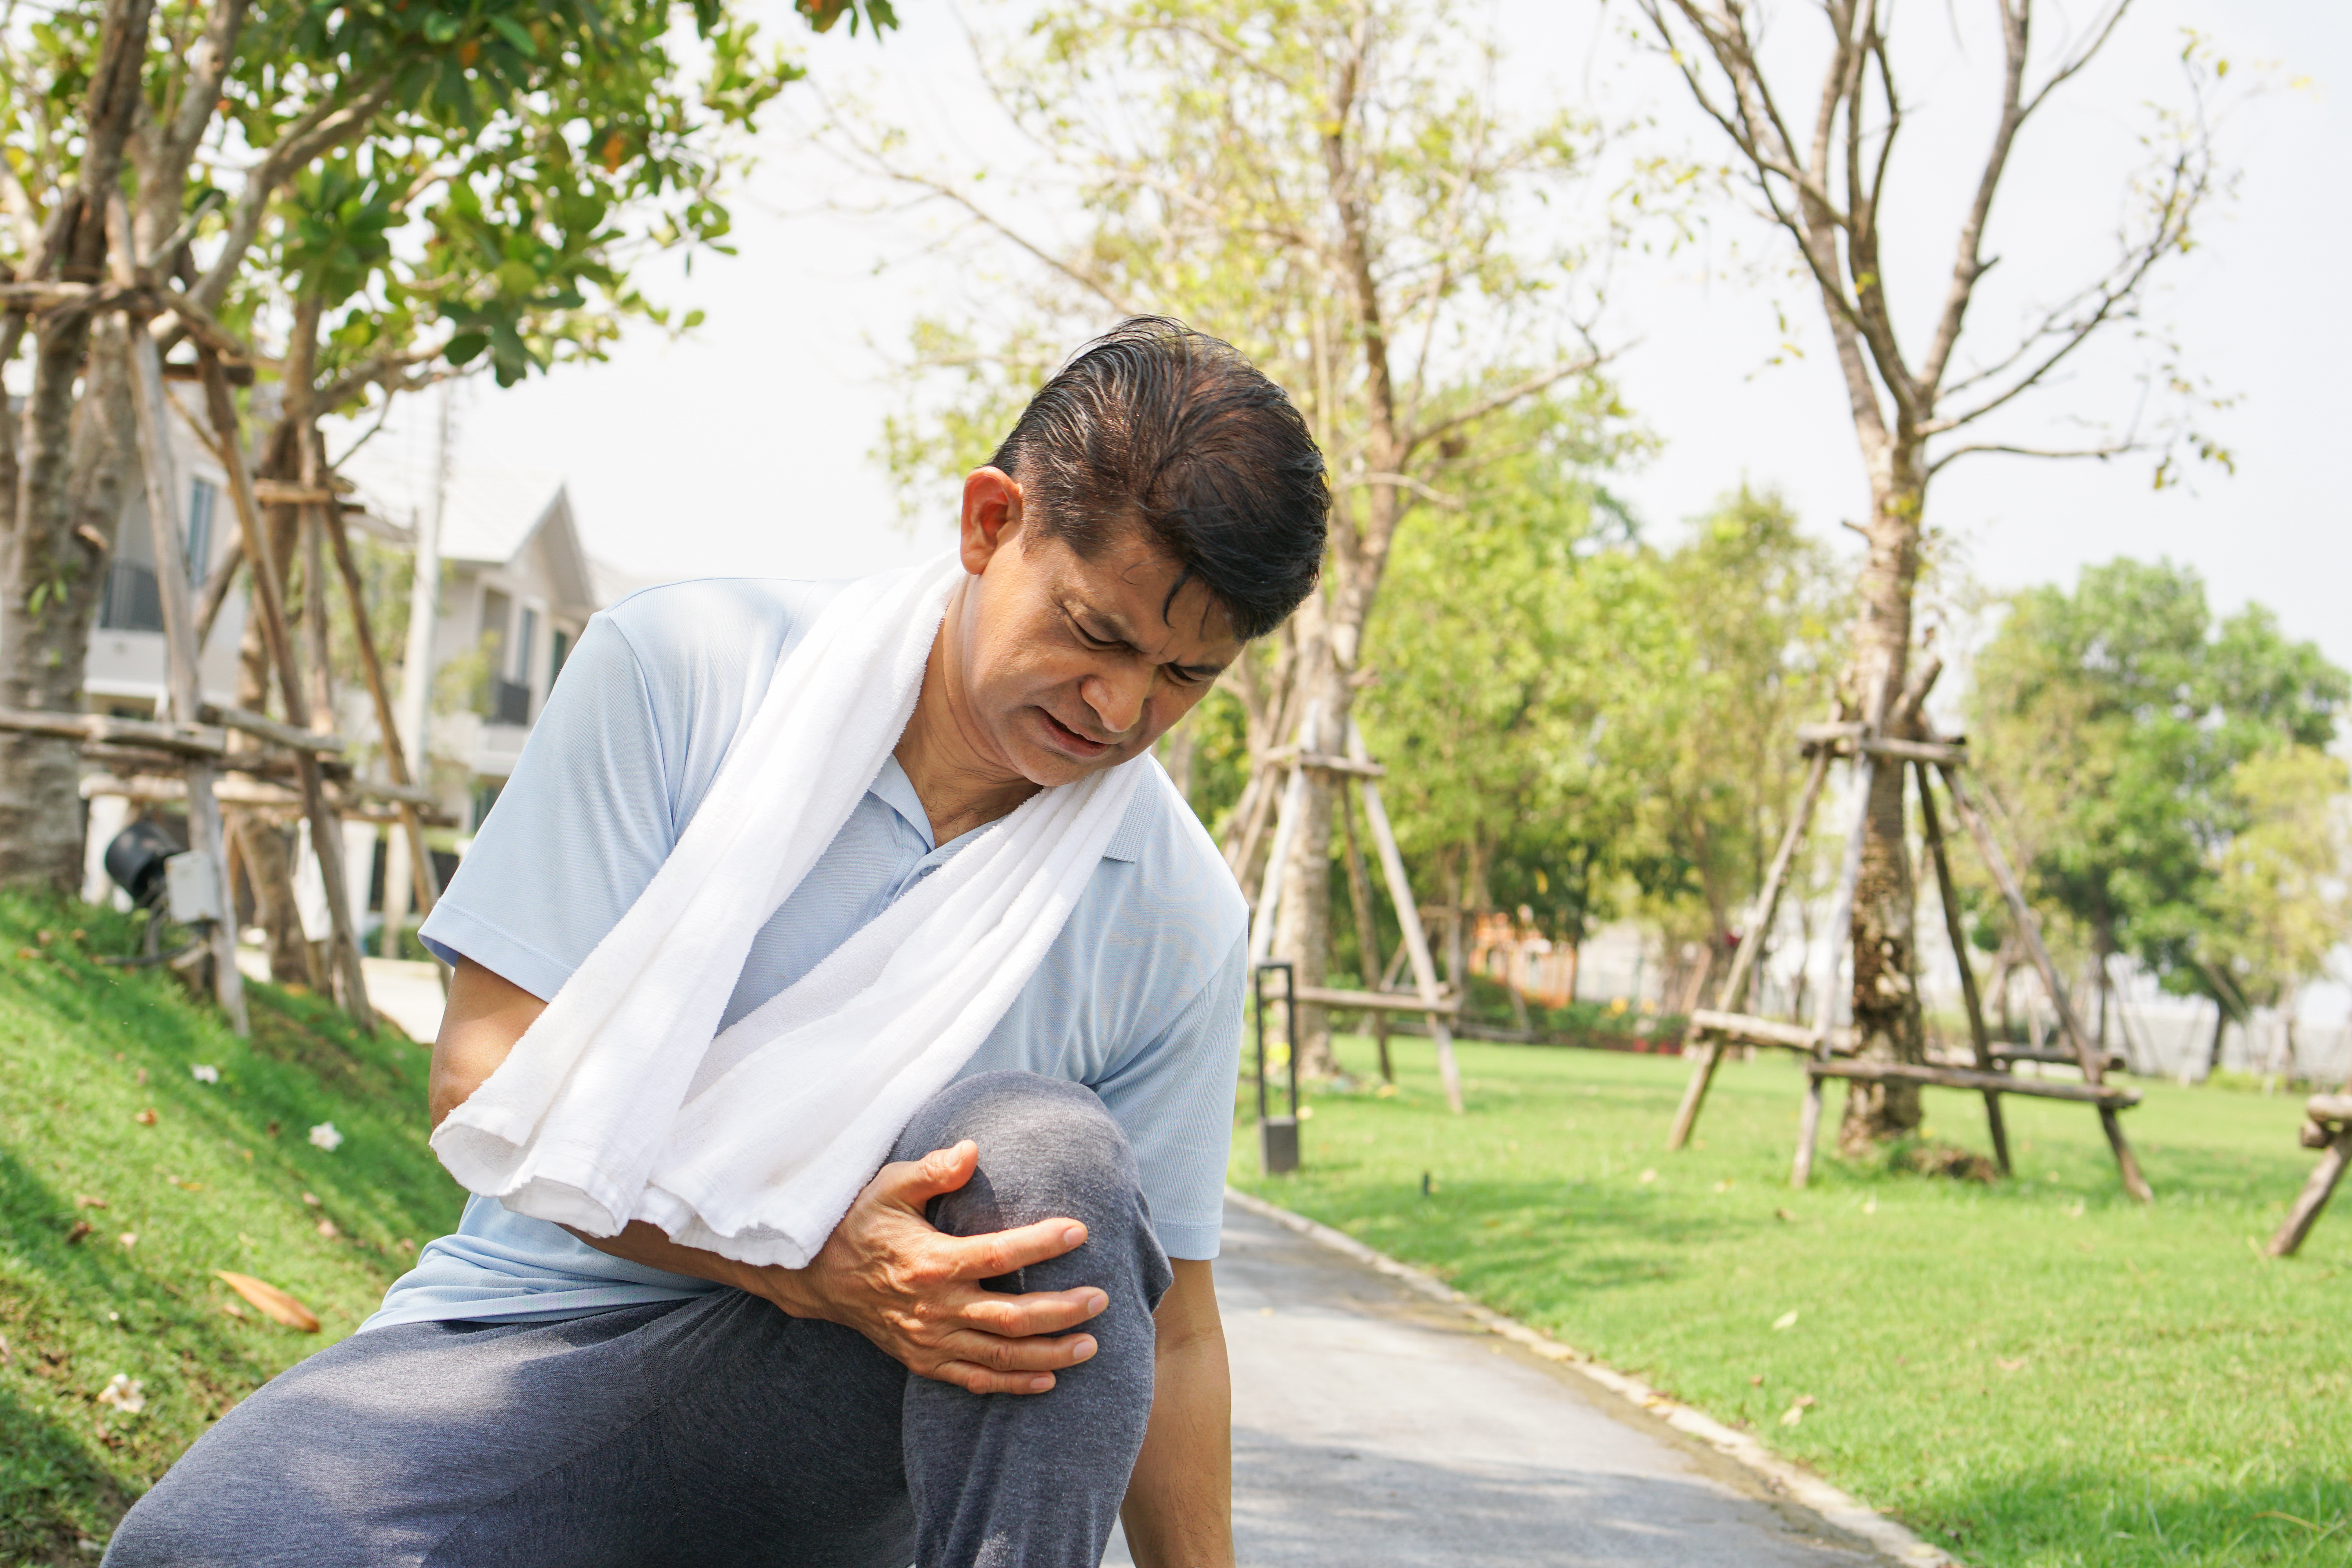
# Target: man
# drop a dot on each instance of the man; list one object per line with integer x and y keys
{"x": 1011, "y": 1337}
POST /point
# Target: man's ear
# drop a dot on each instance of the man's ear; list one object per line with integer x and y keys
{"x": 992, "y": 516}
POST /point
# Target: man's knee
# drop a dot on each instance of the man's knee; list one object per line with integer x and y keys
{"x": 1048, "y": 1150}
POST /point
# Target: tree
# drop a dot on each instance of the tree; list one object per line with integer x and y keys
{"x": 1328, "y": 185}
{"x": 1763, "y": 609}
{"x": 2278, "y": 903}
{"x": 2122, "y": 731}
{"x": 1825, "y": 176}
{"x": 1521, "y": 669}
{"x": 382, "y": 187}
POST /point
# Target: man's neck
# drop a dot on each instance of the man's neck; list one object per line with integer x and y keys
{"x": 958, "y": 778}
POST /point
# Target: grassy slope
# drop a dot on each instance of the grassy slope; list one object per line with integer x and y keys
{"x": 2039, "y": 1373}
{"x": 217, "y": 1181}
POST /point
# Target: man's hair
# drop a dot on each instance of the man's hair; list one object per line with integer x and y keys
{"x": 1157, "y": 424}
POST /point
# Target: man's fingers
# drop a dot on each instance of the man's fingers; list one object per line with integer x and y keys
{"x": 1000, "y": 1354}
{"x": 1002, "y": 1252}
{"x": 1039, "y": 1312}
{"x": 974, "y": 1379}
{"x": 914, "y": 1183}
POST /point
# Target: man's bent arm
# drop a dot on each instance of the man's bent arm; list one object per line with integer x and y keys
{"x": 1179, "y": 1507}
{"x": 886, "y": 1272}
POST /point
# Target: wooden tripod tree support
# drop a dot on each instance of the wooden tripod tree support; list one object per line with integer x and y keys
{"x": 2329, "y": 1130}
{"x": 269, "y": 602}
{"x": 1710, "y": 1030}
{"x": 1429, "y": 999}
{"x": 206, "y": 839}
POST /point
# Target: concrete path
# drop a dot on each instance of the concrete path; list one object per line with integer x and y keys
{"x": 1372, "y": 1425}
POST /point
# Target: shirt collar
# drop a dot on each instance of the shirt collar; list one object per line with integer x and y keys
{"x": 894, "y": 789}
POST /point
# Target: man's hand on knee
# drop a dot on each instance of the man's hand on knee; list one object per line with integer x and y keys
{"x": 915, "y": 1291}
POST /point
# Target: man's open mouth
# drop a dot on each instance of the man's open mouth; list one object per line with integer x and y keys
{"x": 1071, "y": 740}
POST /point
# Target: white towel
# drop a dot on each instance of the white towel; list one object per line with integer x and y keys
{"x": 617, "y": 1104}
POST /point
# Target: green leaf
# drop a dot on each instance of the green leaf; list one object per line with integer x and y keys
{"x": 466, "y": 347}
{"x": 515, "y": 33}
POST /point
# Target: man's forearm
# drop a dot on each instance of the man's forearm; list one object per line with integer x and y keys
{"x": 646, "y": 1244}
{"x": 1178, "y": 1509}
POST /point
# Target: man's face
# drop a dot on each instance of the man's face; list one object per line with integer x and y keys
{"x": 1068, "y": 665}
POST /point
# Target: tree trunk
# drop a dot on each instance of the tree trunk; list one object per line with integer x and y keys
{"x": 70, "y": 498}
{"x": 1886, "y": 1019}
{"x": 1302, "y": 930}
{"x": 70, "y": 467}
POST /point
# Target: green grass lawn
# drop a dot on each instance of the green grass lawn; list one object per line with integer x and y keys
{"x": 2041, "y": 1373}
{"x": 223, "y": 1178}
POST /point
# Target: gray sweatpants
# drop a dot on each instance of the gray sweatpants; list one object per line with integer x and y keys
{"x": 710, "y": 1432}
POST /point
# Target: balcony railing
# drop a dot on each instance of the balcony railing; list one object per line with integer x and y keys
{"x": 509, "y": 702}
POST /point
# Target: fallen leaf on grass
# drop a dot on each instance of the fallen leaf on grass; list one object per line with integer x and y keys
{"x": 1724, "y": 1185}
{"x": 325, "y": 1136}
{"x": 88, "y": 1201}
{"x": 1787, "y": 1319}
{"x": 275, "y": 1304}
{"x": 1646, "y": 1177}
{"x": 81, "y": 1228}
{"x": 326, "y": 1227}
{"x": 311, "y": 1198}
{"x": 1784, "y": 1213}
{"x": 129, "y": 1239}
{"x": 1796, "y": 1412}
{"x": 145, "y": 1118}
{"x": 2008, "y": 1365}
{"x": 124, "y": 1392}
{"x": 205, "y": 1072}
{"x": 234, "y": 1309}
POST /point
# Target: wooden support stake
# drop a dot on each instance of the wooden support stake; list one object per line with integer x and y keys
{"x": 2313, "y": 1199}
{"x": 1979, "y": 1038}
{"x": 145, "y": 369}
{"x": 1285, "y": 822}
{"x": 1368, "y": 935}
{"x": 2092, "y": 1060}
{"x": 395, "y": 759}
{"x": 1743, "y": 963}
{"x": 1416, "y": 945}
{"x": 1840, "y": 938}
{"x": 270, "y": 603}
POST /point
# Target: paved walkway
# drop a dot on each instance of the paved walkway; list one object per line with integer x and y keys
{"x": 1373, "y": 1426}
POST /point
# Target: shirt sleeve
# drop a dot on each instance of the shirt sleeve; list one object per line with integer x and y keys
{"x": 577, "y": 833}
{"x": 1175, "y": 1098}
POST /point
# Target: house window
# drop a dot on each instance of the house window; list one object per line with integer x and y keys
{"x": 133, "y": 602}
{"x": 525, "y": 639}
{"x": 558, "y": 646}
{"x": 201, "y": 500}
{"x": 486, "y": 795}
{"x": 497, "y": 611}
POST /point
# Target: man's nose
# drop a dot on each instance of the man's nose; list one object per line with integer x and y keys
{"x": 1117, "y": 697}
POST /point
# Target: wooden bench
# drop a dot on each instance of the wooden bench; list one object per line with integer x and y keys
{"x": 2328, "y": 1129}
{"x": 2106, "y": 1096}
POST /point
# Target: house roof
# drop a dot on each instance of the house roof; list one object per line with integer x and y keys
{"x": 489, "y": 516}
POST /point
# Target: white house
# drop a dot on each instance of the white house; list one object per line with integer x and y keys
{"x": 125, "y": 672}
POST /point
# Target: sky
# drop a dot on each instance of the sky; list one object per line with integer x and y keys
{"x": 745, "y": 446}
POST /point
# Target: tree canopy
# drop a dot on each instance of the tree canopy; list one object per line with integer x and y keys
{"x": 2163, "y": 774}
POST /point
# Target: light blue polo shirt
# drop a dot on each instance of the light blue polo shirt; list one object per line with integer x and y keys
{"x": 1139, "y": 998}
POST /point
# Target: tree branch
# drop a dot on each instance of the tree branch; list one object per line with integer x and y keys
{"x": 1496, "y": 402}
{"x": 320, "y": 127}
